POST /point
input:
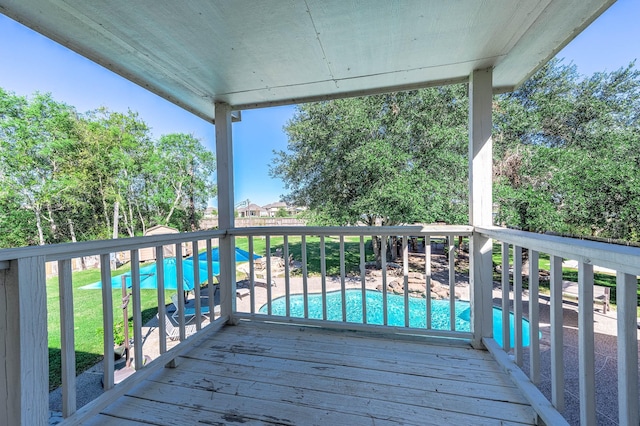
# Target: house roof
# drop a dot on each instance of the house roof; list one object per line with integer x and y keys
{"x": 276, "y": 205}
{"x": 252, "y": 54}
{"x": 251, "y": 207}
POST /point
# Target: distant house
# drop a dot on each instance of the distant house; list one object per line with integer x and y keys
{"x": 210, "y": 212}
{"x": 149, "y": 253}
{"x": 273, "y": 208}
{"x": 252, "y": 210}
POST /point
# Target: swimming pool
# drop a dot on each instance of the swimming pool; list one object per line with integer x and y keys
{"x": 440, "y": 319}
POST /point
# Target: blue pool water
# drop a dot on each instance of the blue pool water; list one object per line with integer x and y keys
{"x": 440, "y": 319}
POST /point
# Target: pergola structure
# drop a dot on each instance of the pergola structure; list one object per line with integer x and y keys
{"x": 218, "y": 57}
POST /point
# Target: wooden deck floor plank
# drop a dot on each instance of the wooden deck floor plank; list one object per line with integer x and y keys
{"x": 396, "y": 402}
{"x": 417, "y": 344}
{"x": 325, "y": 343}
{"x": 146, "y": 411}
{"x": 104, "y": 420}
{"x": 393, "y": 362}
{"x": 258, "y": 366}
{"x": 286, "y": 411}
{"x": 261, "y": 373}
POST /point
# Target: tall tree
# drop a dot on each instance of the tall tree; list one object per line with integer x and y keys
{"x": 386, "y": 159}
{"x": 566, "y": 150}
{"x": 35, "y": 135}
{"x": 178, "y": 178}
{"x": 390, "y": 159}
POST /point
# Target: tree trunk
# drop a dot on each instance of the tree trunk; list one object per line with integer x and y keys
{"x": 130, "y": 224}
{"x": 52, "y": 223}
{"x": 144, "y": 225}
{"x": 72, "y": 232}
{"x": 36, "y": 210}
{"x": 175, "y": 203}
{"x": 375, "y": 242}
{"x": 393, "y": 248}
{"x": 116, "y": 207}
{"x": 105, "y": 207}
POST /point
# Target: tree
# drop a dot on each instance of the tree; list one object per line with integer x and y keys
{"x": 389, "y": 159}
{"x": 36, "y": 135}
{"x": 386, "y": 159}
{"x": 72, "y": 177}
{"x": 566, "y": 151}
{"x": 178, "y": 180}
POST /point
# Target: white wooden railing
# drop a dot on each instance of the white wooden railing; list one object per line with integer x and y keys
{"x": 301, "y": 235}
{"x": 625, "y": 261}
{"x": 23, "y": 319}
{"x": 24, "y": 395}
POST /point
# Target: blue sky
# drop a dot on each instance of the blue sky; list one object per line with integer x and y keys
{"x": 31, "y": 63}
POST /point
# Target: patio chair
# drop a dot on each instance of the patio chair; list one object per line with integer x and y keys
{"x": 190, "y": 310}
{"x": 173, "y": 330}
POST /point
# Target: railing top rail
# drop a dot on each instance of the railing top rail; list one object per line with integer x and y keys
{"x": 412, "y": 230}
{"x": 54, "y": 252}
{"x": 621, "y": 258}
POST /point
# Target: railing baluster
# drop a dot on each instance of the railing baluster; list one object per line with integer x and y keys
{"x": 363, "y": 279}
{"x": 627, "y": 300}
{"x": 586, "y": 345}
{"x": 162, "y": 308}
{"x": 180, "y": 291}
{"x": 383, "y": 255}
{"x": 67, "y": 345}
{"x": 137, "y": 308}
{"x": 452, "y": 282}
{"x": 287, "y": 283}
{"x": 405, "y": 274}
{"x": 323, "y": 273}
{"x": 107, "y": 321}
{"x": 252, "y": 280}
{"x": 517, "y": 305}
{"x": 210, "y": 288}
{"x": 343, "y": 294}
{"x": 305, "y": 272}
{"x": 506, "y": 296}
{"x": 427, "y": 273}
{"x": 196, "y": 284}
{"x": 268, "y": 272}
{"x": 534, "y": 317}
{"x": 557, "y": 364}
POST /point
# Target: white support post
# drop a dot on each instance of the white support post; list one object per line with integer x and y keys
{"x": 557, "y": 349}
{"x": 506, "y": 299}
{"x": 24, "y": 384}
{"x": 627, "y": 286}
{"x": 107, "y": 323}
{"x": 534, "y": 316}
{"x": 137, "y": 308}
{"x": 586, "y": 345}
{"x": 518, "y": 350}
{"x": 224, "y": 160}
{"x": 480, "y": 202}
{"x": 67, "y": 345}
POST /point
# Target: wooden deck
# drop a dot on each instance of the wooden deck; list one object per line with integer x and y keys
{"x": 259, "y": 373}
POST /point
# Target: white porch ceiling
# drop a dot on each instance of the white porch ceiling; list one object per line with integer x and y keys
{"x": 251, "y": 53}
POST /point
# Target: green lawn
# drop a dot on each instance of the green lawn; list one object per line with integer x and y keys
{"x": 568, "y": 274}
{"x": 88, "y": 303}
{"x": 88, "y": 320}
{"x": 332, "y": 251}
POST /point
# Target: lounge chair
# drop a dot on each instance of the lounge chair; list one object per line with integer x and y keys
{"x": 173, "y": 330}
{"x": 189, "y": 309}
